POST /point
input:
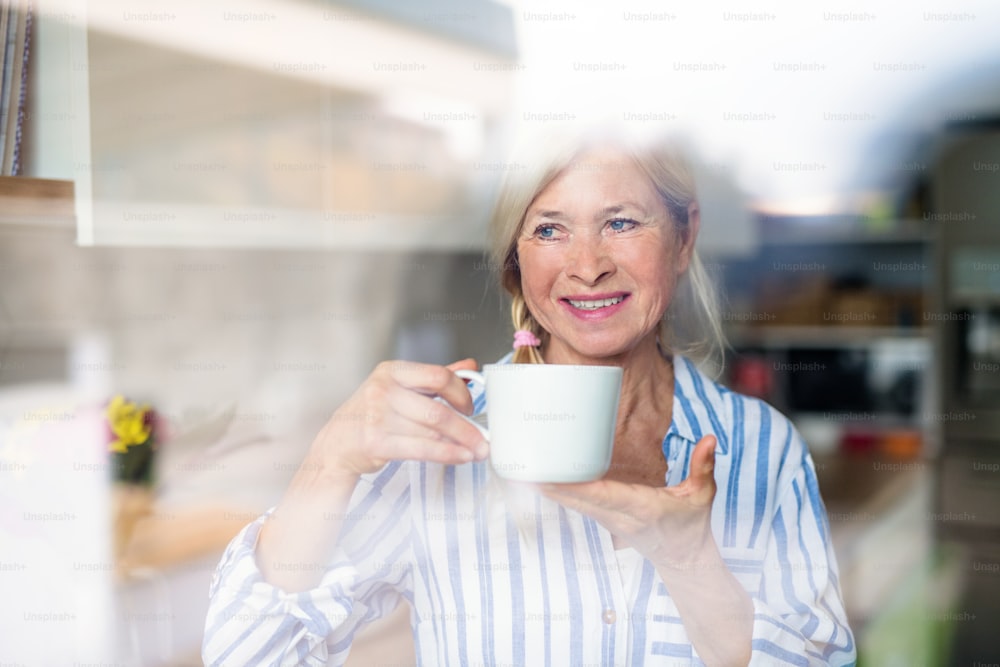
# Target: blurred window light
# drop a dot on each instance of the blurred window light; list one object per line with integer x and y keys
{"x": 790, "y": 94}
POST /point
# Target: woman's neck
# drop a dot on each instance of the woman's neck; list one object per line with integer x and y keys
{"x": 647, "y": 381}
{"x": 644, "y": 413}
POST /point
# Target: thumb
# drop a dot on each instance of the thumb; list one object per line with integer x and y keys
{"x": 464, "y": 364}
{"x": 703, "y": 457}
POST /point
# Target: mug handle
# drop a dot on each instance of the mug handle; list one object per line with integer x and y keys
{"x": 474, "y": 376}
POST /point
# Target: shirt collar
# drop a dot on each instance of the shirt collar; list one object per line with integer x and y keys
{"x": 684, "y": 399}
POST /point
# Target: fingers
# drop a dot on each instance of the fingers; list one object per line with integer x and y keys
{"x": 394, "y": 416}
{"x": 703, "y": 458}
{"x": 603, "y": 497}
{"x": 699, "y": 486}
{"x": 426, "y": 449}
{"x": 434, "y": 380}
{"x": 406, "y": 425}
{"x": 422, "y": 416}
{"x": 626, "y": 510}
{"x": 578, "y": 497}
{"x": 464, "y": 365}
{"x": 455, "y": 391}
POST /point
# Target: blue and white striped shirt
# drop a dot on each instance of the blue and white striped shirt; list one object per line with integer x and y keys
{"x": 502, "y": 579}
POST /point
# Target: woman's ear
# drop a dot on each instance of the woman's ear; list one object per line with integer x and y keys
{"x": 687, "y": 237}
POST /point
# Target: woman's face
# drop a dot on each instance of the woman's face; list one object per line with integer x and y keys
{"x": 600, "y": 257}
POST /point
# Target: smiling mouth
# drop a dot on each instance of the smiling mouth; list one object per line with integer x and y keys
{"x": 595, "y": 304}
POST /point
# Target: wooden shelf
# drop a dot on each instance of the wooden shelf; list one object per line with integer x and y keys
{"x": 36, "y": 202}
{"x": 845, "y": 231}
{"x": 808, "y": 336}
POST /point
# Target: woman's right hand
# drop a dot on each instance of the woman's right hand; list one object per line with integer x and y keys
{"x": 393, "y": 415}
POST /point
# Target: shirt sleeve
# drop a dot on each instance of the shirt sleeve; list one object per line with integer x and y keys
{"x": 799, "y": 616}
{"x": 251, "y": 622}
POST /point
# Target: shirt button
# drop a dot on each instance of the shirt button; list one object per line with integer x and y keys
{"x": 609, "y": 616}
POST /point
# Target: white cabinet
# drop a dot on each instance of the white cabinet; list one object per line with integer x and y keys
{"x": 281, "y": 124}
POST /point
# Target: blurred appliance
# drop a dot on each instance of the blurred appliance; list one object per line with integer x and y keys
{"x": 882, "y": 377}
{"x": 966, "y": 316}
{"x": 828, "y": 380}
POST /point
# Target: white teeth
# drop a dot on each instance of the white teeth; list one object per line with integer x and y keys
{"x": 594, "y": 305}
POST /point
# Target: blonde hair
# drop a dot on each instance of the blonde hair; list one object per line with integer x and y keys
{"x": 692, "y": 324}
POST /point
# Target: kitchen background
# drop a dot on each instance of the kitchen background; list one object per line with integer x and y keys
{"x": 247, "y": 206}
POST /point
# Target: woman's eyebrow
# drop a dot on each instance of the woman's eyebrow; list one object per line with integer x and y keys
{"x": 606, "y": 212}
{"x": 555, "y": 215}
{"x": 613, "y": 209}
{"x": 618, "y": 208}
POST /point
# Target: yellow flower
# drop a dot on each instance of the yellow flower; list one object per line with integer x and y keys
{"x": 128, "y": 423}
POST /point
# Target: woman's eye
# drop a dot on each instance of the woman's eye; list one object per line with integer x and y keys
{"x": 621, "y": 224}
{"x": 545, "y": 232}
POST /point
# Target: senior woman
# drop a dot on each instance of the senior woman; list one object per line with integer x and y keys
{"x": 706, "y": 543}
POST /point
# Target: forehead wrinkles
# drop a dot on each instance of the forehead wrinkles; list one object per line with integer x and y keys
{"x": 579, "y": 194}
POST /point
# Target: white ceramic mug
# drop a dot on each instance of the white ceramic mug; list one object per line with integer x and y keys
{"x": 550, "y": 422}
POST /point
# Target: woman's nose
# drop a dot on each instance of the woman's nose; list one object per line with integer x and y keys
{"x": 589, "y": 261}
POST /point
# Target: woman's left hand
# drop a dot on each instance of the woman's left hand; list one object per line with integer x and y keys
{"x": 670, "y": 525}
